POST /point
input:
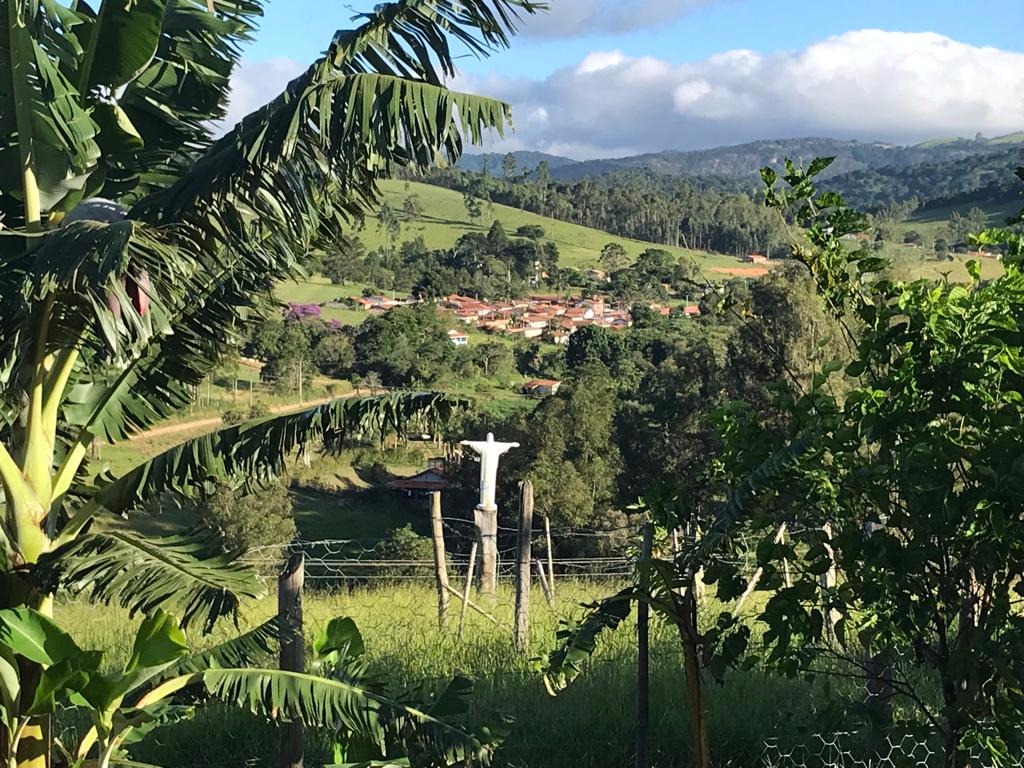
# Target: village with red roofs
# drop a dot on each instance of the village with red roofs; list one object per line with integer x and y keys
{"x": 548, "y": 318}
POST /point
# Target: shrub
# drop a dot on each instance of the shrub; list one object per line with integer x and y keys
{"x": 610, "y": 534}
{"x": 234, "y": 416}
{"x": 244, "y": 522}
{"x": 259, "y": 410}
{"x": 531, "y": 231}
{"x": 404, "y": 544}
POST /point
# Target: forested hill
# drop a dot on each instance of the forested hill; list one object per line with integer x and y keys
{"x": 986, "y": 179}
{"x": 524, "y": 160}
{"x": 745, "y": 160}
{"x": 721, "y": 212}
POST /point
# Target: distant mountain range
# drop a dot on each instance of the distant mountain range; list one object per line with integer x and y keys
{"x": 745, "y": 160}
{"x": 525, "y": 161}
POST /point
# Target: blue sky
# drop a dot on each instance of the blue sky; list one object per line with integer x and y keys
{"x": 912, "y": 69}
{"x": 757, "y": 24}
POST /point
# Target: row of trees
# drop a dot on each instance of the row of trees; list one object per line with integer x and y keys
{"x": 494, "y": 264}
{"x": 498, "y": 265}
{"x": 406, "y": 347}
{"x": 663, "y": 210}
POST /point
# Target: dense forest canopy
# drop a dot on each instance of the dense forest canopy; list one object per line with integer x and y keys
{"x": 710, "y": 199}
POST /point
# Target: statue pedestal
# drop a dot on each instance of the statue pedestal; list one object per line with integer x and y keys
{"x": 486, "y": 519}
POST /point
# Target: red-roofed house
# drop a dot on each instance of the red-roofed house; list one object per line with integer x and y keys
{"x": 535, "y": 321}
{"x": 542, "y": 387}
{"x": 419, "y": 486}
{"x": 527, "y": 333}
{"x": 458, "y": 338}
{"x": 579, "y": 314}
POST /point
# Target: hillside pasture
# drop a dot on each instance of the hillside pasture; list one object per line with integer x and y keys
{"x": 445, "y": 220}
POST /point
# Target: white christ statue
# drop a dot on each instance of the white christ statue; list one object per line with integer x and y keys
{"x": 486, "y": 515}
{"x": 490, "y": 452}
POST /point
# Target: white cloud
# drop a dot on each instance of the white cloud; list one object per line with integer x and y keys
{"x": 867, "y": 84}
{"x": 572, "y": 18}
{"x": 255, "y": 83}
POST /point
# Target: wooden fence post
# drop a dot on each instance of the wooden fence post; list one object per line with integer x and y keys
{"x": 828, "y": 582}
{"x": 551, "y": 557}
{"x": 440, "y": 561}
{"x": 780, "y": 537}
{"x": 522, "y": 635}
{"x": 293, "y": 652}
{"x": 487, "y": 532}
{"x": 544, "y": 583}
{"x": 469, "y": 586}
{"x": 643, "y": 669}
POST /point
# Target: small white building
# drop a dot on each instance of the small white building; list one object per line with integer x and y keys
{"x": 458, "y": 338}
{"x": 542, "y": 387}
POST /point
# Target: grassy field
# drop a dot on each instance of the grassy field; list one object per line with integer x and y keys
{"x": 446, "y": 220}
{"x": 592, "y": 724}
{"x": 933, "y": 222}
{"x": 915, "y": 263}
{"x": 320, "y": 290}
{"x": 206, "y": 416}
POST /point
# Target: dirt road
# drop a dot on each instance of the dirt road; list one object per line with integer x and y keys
{"x": 216, "y": 421}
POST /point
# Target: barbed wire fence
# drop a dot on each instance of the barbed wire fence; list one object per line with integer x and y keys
{"x": 394, "y": 592}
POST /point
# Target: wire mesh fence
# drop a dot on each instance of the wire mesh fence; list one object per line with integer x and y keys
{"x": 757, "y": 720}
{"x": 855, "y": 750}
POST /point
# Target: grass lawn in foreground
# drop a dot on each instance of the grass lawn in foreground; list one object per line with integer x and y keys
{"x": 592, "y": 724}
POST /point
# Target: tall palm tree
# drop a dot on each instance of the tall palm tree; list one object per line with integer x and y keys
{"x": 135, "y": 247}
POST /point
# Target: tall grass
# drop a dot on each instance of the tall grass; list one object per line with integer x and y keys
{"x": 591, "y": 724}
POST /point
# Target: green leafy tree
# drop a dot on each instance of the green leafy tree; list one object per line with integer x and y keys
{"x": 285, "y": 347}
{"x": 912, "y": 237}
{"x": 917, "y": 519}
{"x": 530, "y": 231}
{"x": 784, "y": 336}
{"x": 115, "y": 309}
{"x": 962, "y": 226}
{"x": 667, "y": 428}
{"x": 497, "y": 240}
{"x": 941, "y": 248}
{"x": 474, "y": 207}
{"x": 494, "y": 359}
{"x": 404, "y": 346}
{"x": 509, "y": 165}
{"x": 575, "y": 461}
{"x": 977, "y": 220}
{"x": 412, "y": 207}
{"x": 613, "y": 257}
{"x": 389, "y": 225}
{"x": 334, "y": 354}
{"x": 345, "y": 262}
{"x": 248, "y": 520}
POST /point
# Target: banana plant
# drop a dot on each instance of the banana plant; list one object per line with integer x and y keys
{"x": 163, "y": 682}
{"x": 137, "y": 247}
